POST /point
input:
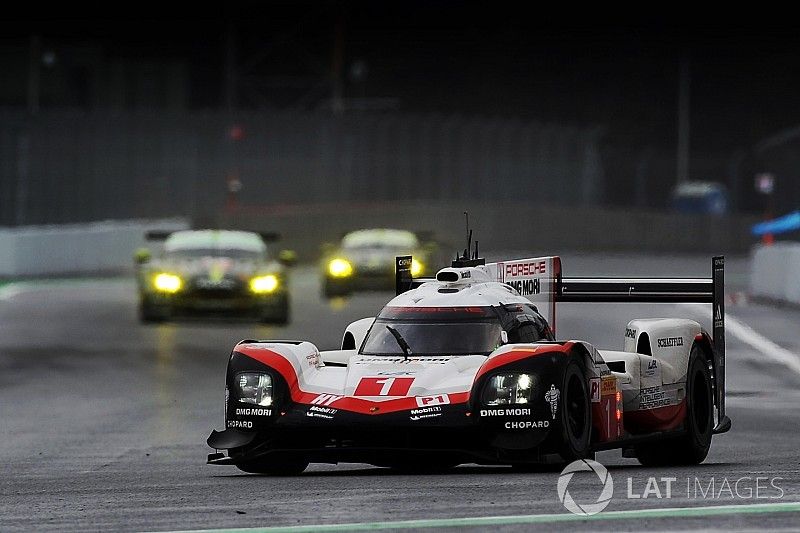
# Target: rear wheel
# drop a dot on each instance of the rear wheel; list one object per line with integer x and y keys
{"x": 691, "y": 448}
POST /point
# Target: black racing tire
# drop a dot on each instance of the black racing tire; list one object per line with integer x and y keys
{"x": 278, "y": 316}
{"x": 284, "y": 466}
{"x": 332, "y": 289}
{"x": 692, "y": 447}
{"x": 152, "y": 314}
{"x": 576, "y": 413}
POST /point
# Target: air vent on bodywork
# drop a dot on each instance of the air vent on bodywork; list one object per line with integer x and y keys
{"x": 448, "y": 275}
{"x": 616, "y": 366}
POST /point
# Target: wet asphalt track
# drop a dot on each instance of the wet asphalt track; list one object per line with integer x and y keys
{"x": 103, "y": 422}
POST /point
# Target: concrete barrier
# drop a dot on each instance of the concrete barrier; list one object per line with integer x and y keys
{"x": 75, "y": 249}
{"x": 775, "y": 272}
{"x": 506, "y": 226}
{"x": 107, "y": 247}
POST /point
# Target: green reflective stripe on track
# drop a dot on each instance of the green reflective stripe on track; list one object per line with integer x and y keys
{"x": 481, "y": 521}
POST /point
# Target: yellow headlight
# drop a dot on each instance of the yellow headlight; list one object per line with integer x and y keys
{"x": 340, "y": 268}
{"x": 416, "y": 268}
{"x": 264, "y": 284}
{"x": 167, "y": 282}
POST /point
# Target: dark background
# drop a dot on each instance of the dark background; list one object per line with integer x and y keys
{"x": 616, "y": 71}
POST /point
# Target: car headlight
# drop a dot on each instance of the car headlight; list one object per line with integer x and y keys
{"x": 264, "y": 284}
{"x": 255, "y": 388}
{"x": 511, "y": 388}
{"x": 340, "y": 268}
{"x": 416, "y": 268}
{"x": 169, "y": 283}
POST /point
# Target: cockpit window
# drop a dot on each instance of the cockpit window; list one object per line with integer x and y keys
{"x": 435, "y": 331}
{"x": 434, "y": 338}
{"x": 457, "y": 330}
{"x": 232, "y": 253}
{"x": 380, "y": 239}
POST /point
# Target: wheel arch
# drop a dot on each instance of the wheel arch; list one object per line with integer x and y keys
{"x": 703, "y": 341}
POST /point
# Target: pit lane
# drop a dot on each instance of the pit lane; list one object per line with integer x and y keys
{"x": 103, "y": 421}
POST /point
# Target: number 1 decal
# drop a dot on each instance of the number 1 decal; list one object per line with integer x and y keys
{"x": 383, "y": 386}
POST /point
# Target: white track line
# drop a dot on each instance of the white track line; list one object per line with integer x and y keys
{"x": 11, "y": 290}
{"x": 757, "y": 341}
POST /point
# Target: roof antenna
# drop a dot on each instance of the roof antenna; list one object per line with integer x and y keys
{"x": 465, "y": 260}
{"x": 469, "y": 237}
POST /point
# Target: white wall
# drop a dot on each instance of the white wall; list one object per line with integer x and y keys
{"x": 93, "y": 248}
{"x": 775, "y": 272}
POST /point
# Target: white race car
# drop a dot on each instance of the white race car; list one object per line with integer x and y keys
{"x": 467, "y": 368}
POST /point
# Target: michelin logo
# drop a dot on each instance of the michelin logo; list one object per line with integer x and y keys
{"x": 552, "y": 397}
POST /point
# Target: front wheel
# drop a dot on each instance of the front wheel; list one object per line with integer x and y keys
{"x": 575, "y": 416}
{"x": 151, "y": 314}
{"x": 332, "y": 289}
{"x": 692, "y": 447}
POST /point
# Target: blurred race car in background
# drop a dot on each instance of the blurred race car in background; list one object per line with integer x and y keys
{"x": 700, "y": 197}
{"x": 213, "y": 271}
{"x": 364, "y": 259}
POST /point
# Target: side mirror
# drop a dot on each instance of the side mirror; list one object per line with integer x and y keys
{"x": 287, "y": 257}
{"x": 142, "y": 256}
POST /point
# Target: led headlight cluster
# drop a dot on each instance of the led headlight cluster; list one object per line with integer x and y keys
{"x": 169, "y": 283}
{"x": 264, "y": 284}
{"x": 340, "y": 268}
{"x": 416, "y": 268}
{"x": 510, "y": 388}
{"x": 254, "y": 388}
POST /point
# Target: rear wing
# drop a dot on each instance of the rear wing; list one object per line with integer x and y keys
{"x": 541, "y": 281}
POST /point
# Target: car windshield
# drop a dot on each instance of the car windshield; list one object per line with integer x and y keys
{"x": 434, "y": 338}
{"x": 232, "y": 253}
{"x": 380, "y": 239}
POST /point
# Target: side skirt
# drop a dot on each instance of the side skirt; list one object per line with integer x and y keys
{"x": 637, "y": 439}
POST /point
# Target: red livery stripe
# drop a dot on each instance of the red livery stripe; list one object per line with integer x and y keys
{"x": 518, "y": 354}
{"x": 357, "y": 405}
